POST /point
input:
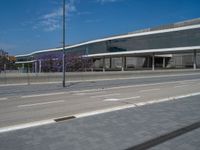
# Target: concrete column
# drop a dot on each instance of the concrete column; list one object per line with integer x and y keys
{"x": 110, "y": 62}
{"x": 123, "y": 63}
{"x": 148, "y": 61}
{"x": 36, "y": 66}
{"x": 92, "y": 65}
{"x": 40, "y": 66}
{"x": 164, "y": 62}
{"x": 104, "y": 64}
{"x": 23, "y": 68}
{"x": 195, "y": 60}
{"x": 153, "y": 62}
{"x": 33, "y": 67}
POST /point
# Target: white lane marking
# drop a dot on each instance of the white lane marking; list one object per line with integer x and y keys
{"x": 149, "y": 90}
{"x": 2, "y": 85}
{"x": 179, "y": 86}
{"x": 91, "y": 93}
{"x": 87, "y": 114}
{"x": 44, "y": 103}
{"x": 97, "y": 112}
{"x": 150, "y": 84}
{"x": 122, "y": 99}
{"x": 3, "y": 99}
{"x": 111, "y": 88}
{"x": 26, "y": 125}
{"x": 112, "y": 99}
{"x": 98, "y": 96}
{"x": 40, "y": 95}
{"x": 135, "y": 97}
{"x": 167, "y": 99}
{"x": 184, "y": 82}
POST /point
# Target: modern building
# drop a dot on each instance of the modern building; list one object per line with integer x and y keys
{"x": 169, "y": 46}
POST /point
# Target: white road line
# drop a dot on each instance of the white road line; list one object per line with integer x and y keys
{"x": 149, "y": 90}
{"x": 179, "y": 86}
{"x": 111, "y": 88}
{"x": 87, "y": 114}
{"x": 3, "y": 99}
{"x": 44, "y": 103}
{"x": 122, "y": 99}
{"x": 149, "y": 84}
{"x": 140, "y": 77}
{"x": 27, "y": 125}
{"x": 40, "y": 95}
{"x": 97, "y": 112}
{"x": 112, "y": 99}
{"x": 17, "y": 84}
{"x": 135, "y": 97}
{"x": 91, "y": 93}
{"x": 99, "y": 96}
{"x": 167, "y": 99}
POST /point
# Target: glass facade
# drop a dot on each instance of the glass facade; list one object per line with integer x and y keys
{"x": 183, "y": 38}
{"x": 173, "y": 39}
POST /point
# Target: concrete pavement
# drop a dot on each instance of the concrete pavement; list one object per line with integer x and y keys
{"x": 38, "y": 78}
{"x": 188, "y": 141}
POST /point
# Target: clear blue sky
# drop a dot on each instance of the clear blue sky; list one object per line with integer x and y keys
{"x": 29, "y": 25}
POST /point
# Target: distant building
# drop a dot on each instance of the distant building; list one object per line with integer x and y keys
{"x": 169, "y": 46}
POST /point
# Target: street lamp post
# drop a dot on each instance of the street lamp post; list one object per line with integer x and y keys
{"x": 63, "y": 58}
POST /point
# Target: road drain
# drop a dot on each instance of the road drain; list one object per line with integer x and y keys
{"x": 163, "y": 138}
{"x": 64, "y": 118}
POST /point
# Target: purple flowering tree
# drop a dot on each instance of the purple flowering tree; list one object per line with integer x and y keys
{"x": 52, "y": 62}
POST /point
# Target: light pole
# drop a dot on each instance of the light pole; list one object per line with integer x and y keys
{"x": 63, "y": 58}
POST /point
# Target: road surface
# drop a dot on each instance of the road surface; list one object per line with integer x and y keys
{"x": 22, "y": 104}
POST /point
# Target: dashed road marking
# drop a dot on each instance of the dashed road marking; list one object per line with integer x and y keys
{"x": 112, "y": 99}
{"x": 180, "y": 86}
{"x": 122, "y": 99}
{"x": 99, "y": 96}
{"x": 149, "y": 90}
{"x": 87, "y": 114}
{"x": 109, "y": 88}
{"x": 97, "y": 112}
{"x": 91, "y": 93}
{"x": 44, "y": 103}
{"x": 40, "y": 95}
{"x": 3, "y": 99}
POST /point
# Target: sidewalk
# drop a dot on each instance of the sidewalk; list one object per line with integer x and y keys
{"x": 49, "y": 78}
{"x": 114, "y": 131}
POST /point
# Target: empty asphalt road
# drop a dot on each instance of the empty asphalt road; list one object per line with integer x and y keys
{"x": 22, "y": 104}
